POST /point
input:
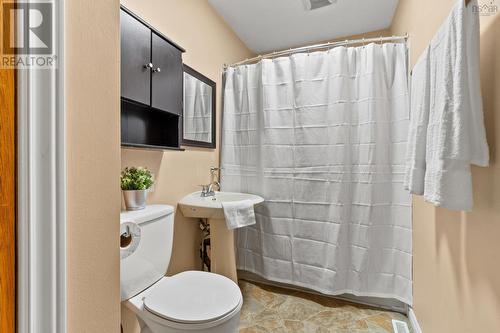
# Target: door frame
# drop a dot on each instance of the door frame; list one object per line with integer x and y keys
{"x": 41, "y": 232}
{"x": 8, "y": 188}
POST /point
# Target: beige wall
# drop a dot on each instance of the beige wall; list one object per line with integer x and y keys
{"x": 457, "y": 255}
{"x": 209, "y": 43}
{"x": 92, "y": 88}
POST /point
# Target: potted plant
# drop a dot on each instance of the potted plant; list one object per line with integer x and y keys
{"x": 135, "y": 183}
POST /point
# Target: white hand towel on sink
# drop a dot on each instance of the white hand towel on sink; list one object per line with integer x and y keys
{"x": 238, "y": 213}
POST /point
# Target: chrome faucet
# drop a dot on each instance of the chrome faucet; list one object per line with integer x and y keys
{"x": 208, "y": 190}
{"x": 214, "y": 179}
{"x": 211, "y": 186}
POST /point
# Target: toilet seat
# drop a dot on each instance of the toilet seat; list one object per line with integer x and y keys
{"x": 193, "y": 297}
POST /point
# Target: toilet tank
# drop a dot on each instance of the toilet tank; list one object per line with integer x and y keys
{"x": 148, "y": 262}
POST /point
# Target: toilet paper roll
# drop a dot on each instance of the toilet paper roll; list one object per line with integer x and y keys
{"x": 130, "y": 237}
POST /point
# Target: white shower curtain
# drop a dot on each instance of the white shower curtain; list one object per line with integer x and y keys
{"x": 322, "y": 137}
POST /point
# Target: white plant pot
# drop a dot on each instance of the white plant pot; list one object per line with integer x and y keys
{"x": 135, "y": 200}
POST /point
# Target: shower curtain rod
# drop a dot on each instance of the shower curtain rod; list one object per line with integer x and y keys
{"x": 317, "y": 47}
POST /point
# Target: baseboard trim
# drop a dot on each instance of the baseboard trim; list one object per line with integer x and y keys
{"x": 413, "y": 321}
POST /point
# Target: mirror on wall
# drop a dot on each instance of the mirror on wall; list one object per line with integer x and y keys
{"x": 199, "y": 110}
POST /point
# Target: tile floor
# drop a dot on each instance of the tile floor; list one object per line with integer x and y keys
{"x": 272, "y": 309}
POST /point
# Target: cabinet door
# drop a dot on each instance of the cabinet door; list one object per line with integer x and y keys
{"x": 167, "y": 76}
{"x": 135, "y": 55}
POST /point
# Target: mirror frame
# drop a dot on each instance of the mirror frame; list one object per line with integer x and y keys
{"x": 212, "y": 84}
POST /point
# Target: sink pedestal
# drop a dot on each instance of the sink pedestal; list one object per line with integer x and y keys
{"x": 222, "y": 252}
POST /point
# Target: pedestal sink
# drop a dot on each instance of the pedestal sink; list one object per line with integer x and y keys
{"x": 222, "y": 259}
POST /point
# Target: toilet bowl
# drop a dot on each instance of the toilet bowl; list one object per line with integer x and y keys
{"x": 189, "y": 301}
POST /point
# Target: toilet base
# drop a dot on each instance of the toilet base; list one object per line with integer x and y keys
{"x": 229, "y": 326}
{"x": 132, "y": 323}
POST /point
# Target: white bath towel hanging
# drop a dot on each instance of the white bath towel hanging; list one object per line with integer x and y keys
{"x": 417, "y": 138}
{"x": 455, "y": 132}
{"x": 480, "y": 151}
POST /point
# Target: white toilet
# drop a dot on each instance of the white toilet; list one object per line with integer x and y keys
{"x": 188, "y": 301}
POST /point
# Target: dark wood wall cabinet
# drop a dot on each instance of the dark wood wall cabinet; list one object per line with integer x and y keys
{"x": 151, "y": 86}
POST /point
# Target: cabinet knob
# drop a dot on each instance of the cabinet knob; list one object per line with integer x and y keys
{"x": 157, "y": 70}
{"x": 148, "y": 66}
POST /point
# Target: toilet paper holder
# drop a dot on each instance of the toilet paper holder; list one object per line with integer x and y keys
{"x": 126, "y": 237}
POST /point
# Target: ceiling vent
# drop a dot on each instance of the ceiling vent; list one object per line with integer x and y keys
{"x": 315, "y": 4}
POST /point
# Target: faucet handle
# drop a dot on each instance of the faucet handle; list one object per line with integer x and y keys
{"x": 213, "y": 169}
{"x": 205, "y": 189}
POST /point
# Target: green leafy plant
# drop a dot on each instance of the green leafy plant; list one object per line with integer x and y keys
{"x": 133, "y": 179}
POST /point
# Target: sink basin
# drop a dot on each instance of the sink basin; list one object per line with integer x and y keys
{"x": 193, "y": 205}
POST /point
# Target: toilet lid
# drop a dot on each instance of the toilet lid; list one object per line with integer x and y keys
{"x": 193, "y": 297}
